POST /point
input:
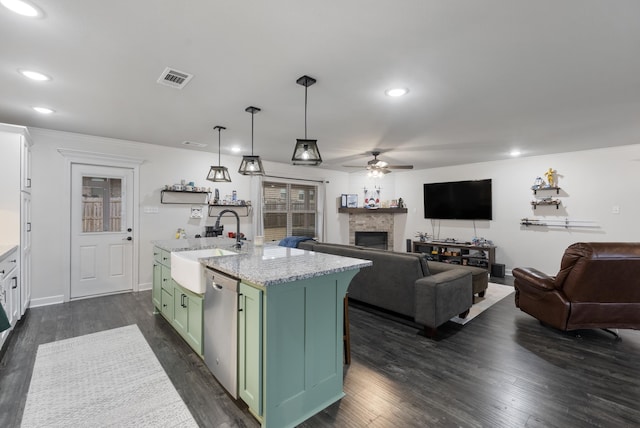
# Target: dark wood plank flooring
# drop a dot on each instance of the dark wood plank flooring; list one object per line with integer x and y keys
{"x": 503, "y": 369}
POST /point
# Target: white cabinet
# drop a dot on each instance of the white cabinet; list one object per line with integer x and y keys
{"x": 9, "y": 289}
{"x": 15, "y": 204}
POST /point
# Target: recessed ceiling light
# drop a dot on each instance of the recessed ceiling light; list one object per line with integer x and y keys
{"x": 43, "y": 110}
{"x": 34, "y": 75}
{"x": 515, "y": 153}
{"x": 396, "y": 92}
{"x": 235, "y": 149}
{"x": 22, "y": 7}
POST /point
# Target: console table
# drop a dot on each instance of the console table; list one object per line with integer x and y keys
{"x": 458, "y": 253}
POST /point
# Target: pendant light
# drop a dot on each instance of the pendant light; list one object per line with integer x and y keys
{"x": 219, "y": 174}
{"x": 251, "y": 165}
{"x": 306, "y": 151}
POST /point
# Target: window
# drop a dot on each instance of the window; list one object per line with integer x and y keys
{"x": 289, "y": 210}
{"x": 101, "y": 204}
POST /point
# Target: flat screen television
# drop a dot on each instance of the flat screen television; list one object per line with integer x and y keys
{"x": 458, "y": 200}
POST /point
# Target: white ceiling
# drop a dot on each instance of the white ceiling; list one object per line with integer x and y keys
{"x": 485, "y": 76}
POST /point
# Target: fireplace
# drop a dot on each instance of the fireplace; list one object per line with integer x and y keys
{"x": 371, "y": 239}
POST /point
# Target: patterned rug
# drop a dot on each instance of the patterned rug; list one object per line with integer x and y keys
{"x": 106, "y": 379}
{"x": 495, "y": 293}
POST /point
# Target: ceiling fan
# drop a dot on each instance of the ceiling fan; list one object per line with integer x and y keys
{"x": 378, "y": 166}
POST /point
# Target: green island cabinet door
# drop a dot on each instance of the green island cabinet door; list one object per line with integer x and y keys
{"x": 156, "y": 294}
{"x": 187, "y": 316}
{"x": 290, "y": 363}
{"x": 167, "y": 305}
{"x": 157, "y": 285}
{"x": 250, "y": 347}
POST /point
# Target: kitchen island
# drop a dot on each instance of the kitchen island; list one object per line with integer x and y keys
{"x": 290, "y": 326}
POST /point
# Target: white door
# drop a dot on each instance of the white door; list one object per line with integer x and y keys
{"x": 101, "y": 230}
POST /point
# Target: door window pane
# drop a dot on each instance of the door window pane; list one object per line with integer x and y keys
{"x": 101, "y": 204}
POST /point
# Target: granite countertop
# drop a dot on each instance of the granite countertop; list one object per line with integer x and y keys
{"x": 265, "y": 265}
{"x": 5, "y": 249}
{"x": 195, "y": 243}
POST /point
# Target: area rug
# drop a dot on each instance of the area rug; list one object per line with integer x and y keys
{"x": 106, "y": 379}
{"x": 495, "y": 293}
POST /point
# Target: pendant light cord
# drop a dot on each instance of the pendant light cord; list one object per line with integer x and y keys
{"x": 305, "y": 111}
{"x": 219, "y": 130}
{"x": 252, "y": 113}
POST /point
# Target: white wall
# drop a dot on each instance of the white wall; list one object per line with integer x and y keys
{"x": 162, "y": 165}
{"x": 592, "y": 183}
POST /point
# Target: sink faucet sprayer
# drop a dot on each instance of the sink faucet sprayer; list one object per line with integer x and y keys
{"x": 217, "y": 225}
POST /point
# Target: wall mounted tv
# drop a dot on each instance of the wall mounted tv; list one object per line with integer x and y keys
{"x": 458, "y": 200}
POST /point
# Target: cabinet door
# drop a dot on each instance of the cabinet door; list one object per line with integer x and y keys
{"x": 157, "y": 255}
{"x": 194, "y": 323}
{"x": 167, "y": 281}
{"x": 157, "y": 285}
{"x": 180, "y": 311}
{"x": 25, "y": 279}
{"x": 14, "y": 290}
{"x": 6, "y": 306}
{"x": 250, "y": 347}
{"x": 187, "y": 317}
{"x": 167, "y": 305}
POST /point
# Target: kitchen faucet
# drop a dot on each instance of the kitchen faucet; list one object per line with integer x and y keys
{"x": 217, "y": 225}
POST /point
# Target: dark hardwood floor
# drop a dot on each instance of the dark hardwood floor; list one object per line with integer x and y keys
{"x": 503, "y": 369}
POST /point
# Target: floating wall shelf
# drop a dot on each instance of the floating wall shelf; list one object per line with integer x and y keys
{"x": 184, "y": 197}
{"x": 555, "y": 202}
{"x": 535, "y": 190}
{"x": 372, "y": 211}
{"x": 566, "y": 223}
{"x": 242, "y": 210}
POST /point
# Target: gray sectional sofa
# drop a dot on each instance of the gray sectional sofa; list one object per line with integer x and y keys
{"x": 479, "y": 276}
{"x": 403, "y": 283}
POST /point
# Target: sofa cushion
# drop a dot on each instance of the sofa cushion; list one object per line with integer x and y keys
{"x": 479, "y": 276}
{"x": 389, "y": 283}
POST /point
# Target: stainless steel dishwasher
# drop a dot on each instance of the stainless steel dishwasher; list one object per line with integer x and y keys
{"x": 221, "y": 328}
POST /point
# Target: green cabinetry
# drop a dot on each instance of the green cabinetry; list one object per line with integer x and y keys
{"x": 187, "y": 316}
{"x": 157, "y": 284}
{"x": 181, "y": 307}
{"x": 290, "y": 347}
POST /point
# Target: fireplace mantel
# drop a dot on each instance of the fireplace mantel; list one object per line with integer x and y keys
{"x": 372, "y": 211}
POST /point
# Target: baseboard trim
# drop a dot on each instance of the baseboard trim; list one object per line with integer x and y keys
{"x": 145, "y": 286}
{"x": 46, "y": 301}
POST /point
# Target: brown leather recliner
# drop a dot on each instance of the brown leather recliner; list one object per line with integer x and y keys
{"x": 598, "y": 286}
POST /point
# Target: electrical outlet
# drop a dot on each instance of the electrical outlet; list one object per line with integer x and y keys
{"x": 615, "y": 209}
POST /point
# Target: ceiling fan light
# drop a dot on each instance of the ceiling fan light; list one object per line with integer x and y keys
{"x": 376, "y": 173}
{"x": 306, "y": 152}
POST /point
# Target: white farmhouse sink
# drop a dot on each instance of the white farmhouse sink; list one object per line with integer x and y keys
{"x": 187, "y": 271}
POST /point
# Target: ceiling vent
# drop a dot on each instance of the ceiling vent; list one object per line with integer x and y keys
{"x": 193, "y": 144}
{"x": 174, "y": 78}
